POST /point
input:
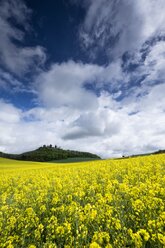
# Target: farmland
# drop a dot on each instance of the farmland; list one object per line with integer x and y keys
{"x": 109, "y": 203}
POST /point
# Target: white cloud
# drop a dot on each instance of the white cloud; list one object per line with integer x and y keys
{"x": 9, "y": 114}
{"x": 8, "y": 82}
{"x": 135, "y": 125}
{"x": 19, "y": 134}
{"x": 155, "y": 63}
{"x": 121, "y": 26}
{"x": 149, "y": 70}
{"x": 16, "y": 58}
{"x": 62, "y": 85}
{"x": 75, "y": 118}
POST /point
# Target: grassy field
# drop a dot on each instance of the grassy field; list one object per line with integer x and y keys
{"x": 110, "y": 203}
{"x": 72, "y": 160}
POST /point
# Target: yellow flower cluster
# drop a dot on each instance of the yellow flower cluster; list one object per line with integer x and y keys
{"x": 111, "y": 204}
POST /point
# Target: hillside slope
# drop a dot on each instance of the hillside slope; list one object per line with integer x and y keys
{"x": 49, "y": 153}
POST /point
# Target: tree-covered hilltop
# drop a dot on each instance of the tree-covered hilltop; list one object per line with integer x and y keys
{"x": 49, "y": 153}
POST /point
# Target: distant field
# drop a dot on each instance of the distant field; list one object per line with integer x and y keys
{"x": 71, "y": 160}
{"x": 106, "y": 203}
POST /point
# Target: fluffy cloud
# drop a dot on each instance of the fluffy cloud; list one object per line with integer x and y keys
{"x": 62, "y": 85}
{"x": 66, "y": 84}
{"x": 75, "y": 118}
{"x": 132, "y": 125}
{"x": 123, "y": 127}
{"x": 9, "y": 114}
{"x": 21, "y": 133}
{"x": 13, "y": 56}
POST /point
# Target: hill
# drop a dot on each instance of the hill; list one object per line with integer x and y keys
{"x": 146, "y": 154}
{"x": 49, "y": 153}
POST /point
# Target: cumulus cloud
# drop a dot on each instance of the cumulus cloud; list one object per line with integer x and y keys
{"x": 13, "y": 56}
{"x": 9, "y": 114}
{"x": 62, "y": 85}
{"x": 70, "y": 84}
{"x": 86, "y": 125}
{"x": 133, "y": 125}
{"x": 130, "y": 126}
{"x": 75, "y": 118}
{"x": 21, "y": 133}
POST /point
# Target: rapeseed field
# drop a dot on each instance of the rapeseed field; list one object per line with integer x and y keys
{"x": 111, "y": 203}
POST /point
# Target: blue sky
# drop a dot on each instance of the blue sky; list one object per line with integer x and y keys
{"x": 86, "y": 75}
